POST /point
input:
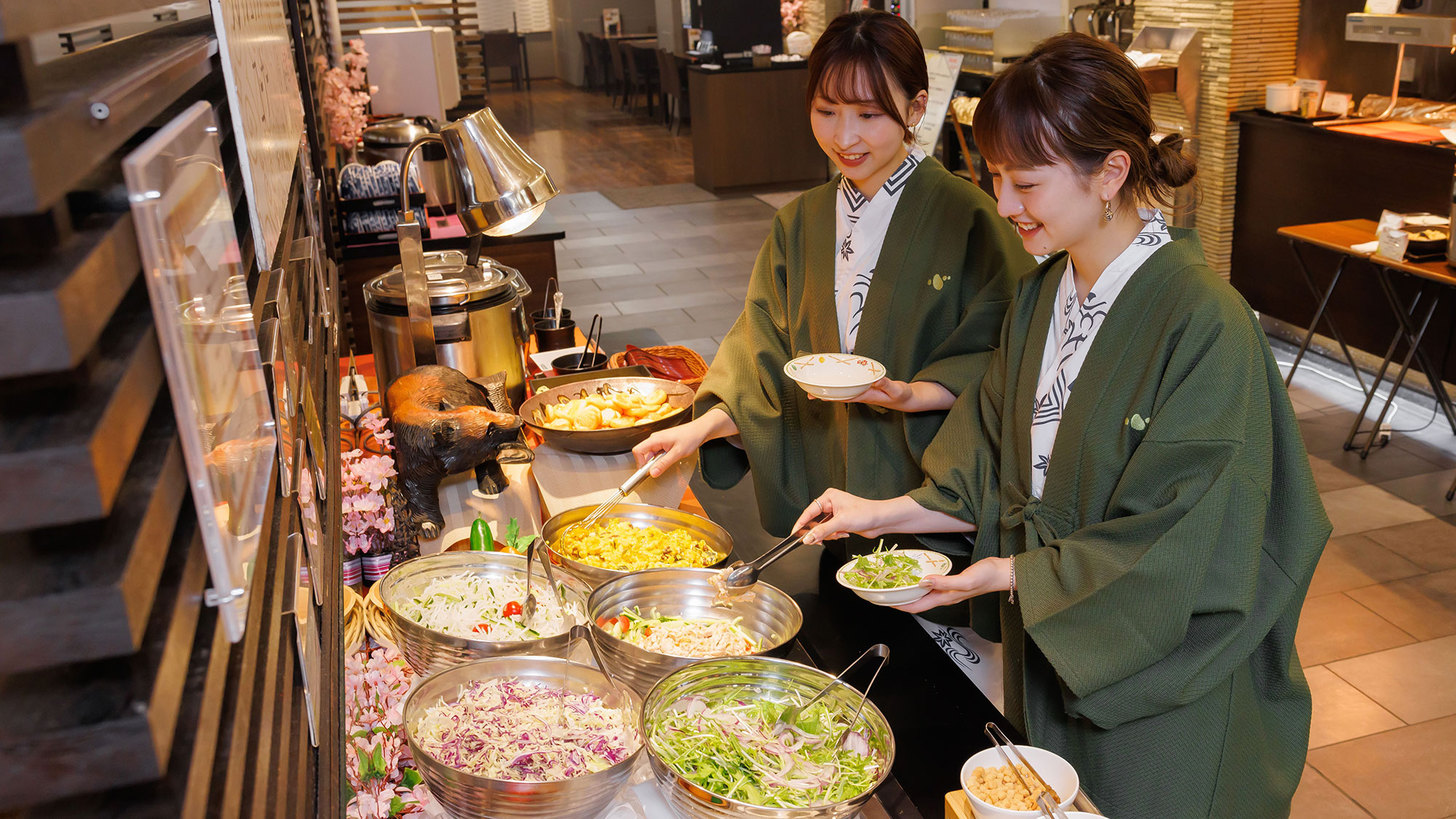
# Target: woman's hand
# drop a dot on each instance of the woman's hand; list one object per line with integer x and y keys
{"x": 847, "y": 514}
{"x": 680, "y": 441}
{"x": 912, "y": 396}
{"x": 989, "y": 574}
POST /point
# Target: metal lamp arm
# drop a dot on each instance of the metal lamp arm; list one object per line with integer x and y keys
{"x": 405, "y": 211}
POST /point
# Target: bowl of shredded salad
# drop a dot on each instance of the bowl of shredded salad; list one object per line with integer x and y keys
{"x": 650, "y": 623}
{"x": 891, "y": 577}
{"x": 453, "y": 607}
{"x": 523, "y": 736}
{"x": 633, "y": 537}
{"x": 716, "y": 751}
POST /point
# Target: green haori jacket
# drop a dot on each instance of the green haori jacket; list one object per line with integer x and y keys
{"x": 933, "y": 313}
{"x": 1160, "y": 576}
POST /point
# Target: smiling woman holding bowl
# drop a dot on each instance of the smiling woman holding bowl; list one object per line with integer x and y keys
{"x": 895, "y": 259}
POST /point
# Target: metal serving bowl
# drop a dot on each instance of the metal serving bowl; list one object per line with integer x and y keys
{"x": 429, "y": 651}
{"x": 658, "y": 517}
{"x": 466, "y": 795}
{"x": 766, "y": 613}
{"x": 768, "y": 677}
{"x": 606, "y": 441}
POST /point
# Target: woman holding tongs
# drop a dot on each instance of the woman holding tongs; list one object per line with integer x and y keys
{"x": 895, "y": 259}
{"x": 1146, "y": 520}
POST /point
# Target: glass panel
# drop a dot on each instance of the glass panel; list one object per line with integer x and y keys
{"x": 199, "y": 293}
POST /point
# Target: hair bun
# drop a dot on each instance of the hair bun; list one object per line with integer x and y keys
{"x": 1171, "y": 165}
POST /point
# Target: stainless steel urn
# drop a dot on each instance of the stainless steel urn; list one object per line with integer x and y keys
{"x": 477, "y": 313}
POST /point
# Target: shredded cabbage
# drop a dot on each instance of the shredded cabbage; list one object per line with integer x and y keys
{"x": 474, "y": 606}
{"x": 725, "y": 742}
{"x": 507, "y": 728}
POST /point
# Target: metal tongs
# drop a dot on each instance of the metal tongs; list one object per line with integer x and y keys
{"x": 621, "y": 493}
{"x": 1047, "y": 800}
{"x": 741, "y": 576}
{"x": 528, "y": 608}
{"x": 790, "y": 716}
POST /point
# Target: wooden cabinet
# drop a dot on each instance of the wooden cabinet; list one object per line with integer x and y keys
{"x": 751, "y": 129}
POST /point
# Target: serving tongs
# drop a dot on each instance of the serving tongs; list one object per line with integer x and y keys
{"x": 741, "y": 576}
{"x": 583, "y": 633}
{"x": 1047, "y": 800}
{"x": 621, "y": 493}
{"x": 790, "y": 717}
{"x": 528, "y": 607}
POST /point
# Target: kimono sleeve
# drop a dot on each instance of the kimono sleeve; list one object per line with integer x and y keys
{"x": 746, "y": 378}
{"x": 1194, "y": 562}
{"x": 994, "y": 259}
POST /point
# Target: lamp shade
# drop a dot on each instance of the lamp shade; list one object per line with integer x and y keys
{"x": 500, "y": 190}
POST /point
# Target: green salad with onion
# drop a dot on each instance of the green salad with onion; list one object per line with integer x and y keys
{"x": 884, "y": 569}
{"x": 727, "y": 742}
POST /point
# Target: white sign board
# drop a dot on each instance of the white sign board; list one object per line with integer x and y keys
{"x": 945, "y": 68}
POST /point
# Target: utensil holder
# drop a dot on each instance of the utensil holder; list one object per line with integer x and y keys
{"x": 551, "y": 337}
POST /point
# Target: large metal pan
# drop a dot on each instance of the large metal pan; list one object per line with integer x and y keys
{"x": 606, "y": 441}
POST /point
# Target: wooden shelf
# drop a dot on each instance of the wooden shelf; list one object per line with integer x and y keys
{"x": 19, "y": 18}
{"x": 94, "y": 726}
{"x": 84, "y": 592}
{"x": 51, "y": 148}
{"x": 52, "y": 311}
{"x": 64, "y": 449}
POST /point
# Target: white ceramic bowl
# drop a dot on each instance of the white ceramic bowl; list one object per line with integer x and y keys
{"x": 930, "y": 563}
{"x": 1058, "y": 773}
{"x": 834, "y": 376}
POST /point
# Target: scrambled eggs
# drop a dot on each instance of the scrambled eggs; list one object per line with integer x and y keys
{"x": 620, "y": 546}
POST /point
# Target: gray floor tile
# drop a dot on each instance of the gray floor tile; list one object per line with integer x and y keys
{"x": 648, "y": 252}
{"x": 1366, "y": 507}
{"x": 690, "y": 285}
{"x": 632, "y": 304}
{"x": 662, "y": 277}
{"x": 655, "y": 320}
{"x": 602, "y": 239}
{"x": 616, "y": 270}
{"x": 585, "y": 310}
{"x": 1354, "y": 561}
{"x": 1429, "y": 491}
{"x": 705, "y": 347}
{"x": 705, "y": 312}
{"x": 695, "y": 261}
{"x": 1401, "y": 773}
{"x": 595, "y": 256}
{"x": 1430, "y": 544}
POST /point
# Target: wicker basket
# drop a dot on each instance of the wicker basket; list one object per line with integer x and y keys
{"x": 694, "y": 362}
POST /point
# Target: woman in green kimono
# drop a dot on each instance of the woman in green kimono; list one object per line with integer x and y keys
{"x": 895, "y": 259}
{"x": 1144, "y": 509}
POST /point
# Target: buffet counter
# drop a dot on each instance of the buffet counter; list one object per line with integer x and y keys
{"x": 749, "y": 128}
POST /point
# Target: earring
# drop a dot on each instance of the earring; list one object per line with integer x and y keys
{"x": 1107, "y": 211}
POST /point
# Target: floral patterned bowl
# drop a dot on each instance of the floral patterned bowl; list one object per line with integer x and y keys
{"x": 834, "y": 376}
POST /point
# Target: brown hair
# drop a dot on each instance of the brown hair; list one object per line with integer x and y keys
{"x": 867, "y": 44}
{"x": 1076, "y": 98}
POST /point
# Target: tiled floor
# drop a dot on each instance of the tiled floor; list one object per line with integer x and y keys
{"x": 1378, "y": 634}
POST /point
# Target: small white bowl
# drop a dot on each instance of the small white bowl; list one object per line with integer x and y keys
{"x": 930, "y": 563}
{"x": 834, "y": 376}
{"x": 1057, "y": 772}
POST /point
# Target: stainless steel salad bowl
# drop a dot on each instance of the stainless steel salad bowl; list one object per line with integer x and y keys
{"x": 606, "y": 441}
{"x": 427, "y": 650}
{"x": 467, "y": 796}
{"x": 767, "y": 613}
{"x": 768, "y": 677}
{"x": 659, "y": 517}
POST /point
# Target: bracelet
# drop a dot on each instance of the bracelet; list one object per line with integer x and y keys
{"x": 1012, "y": 563}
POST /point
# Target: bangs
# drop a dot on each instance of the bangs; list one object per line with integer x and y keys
{"x": 1012, "y": 128}
{"x": 856, "y": 80}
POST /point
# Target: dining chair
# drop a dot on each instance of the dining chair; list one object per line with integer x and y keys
{"x": 642, "y": 66}
{"x": 619, "y": 74}
{"x": 589, "y": 71}
{"x": 501, "y": 49}
{"x": 672, "y": 89}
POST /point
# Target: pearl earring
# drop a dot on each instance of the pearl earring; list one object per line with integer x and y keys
{"x": 1107, "y": 211}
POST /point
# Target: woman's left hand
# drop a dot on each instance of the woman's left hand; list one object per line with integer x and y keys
{"x": 902, "y": 396}
{"x": 989, "y": 574}
{"x": 887, "y": 393}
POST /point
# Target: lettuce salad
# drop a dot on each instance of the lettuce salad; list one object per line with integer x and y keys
{"x": 726, "y": 742}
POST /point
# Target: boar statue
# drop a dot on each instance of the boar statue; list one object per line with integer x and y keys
{"x": 444, "y": 424}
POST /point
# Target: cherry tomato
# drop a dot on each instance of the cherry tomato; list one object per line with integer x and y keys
{"x": 647, "y": 631}
{"x": 482, "y": 628}
{"x": 602, "y": 623}
{"x": 511, "y": 609}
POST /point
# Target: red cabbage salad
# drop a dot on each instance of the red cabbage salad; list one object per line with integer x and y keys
{"x": 512, "y": 729}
